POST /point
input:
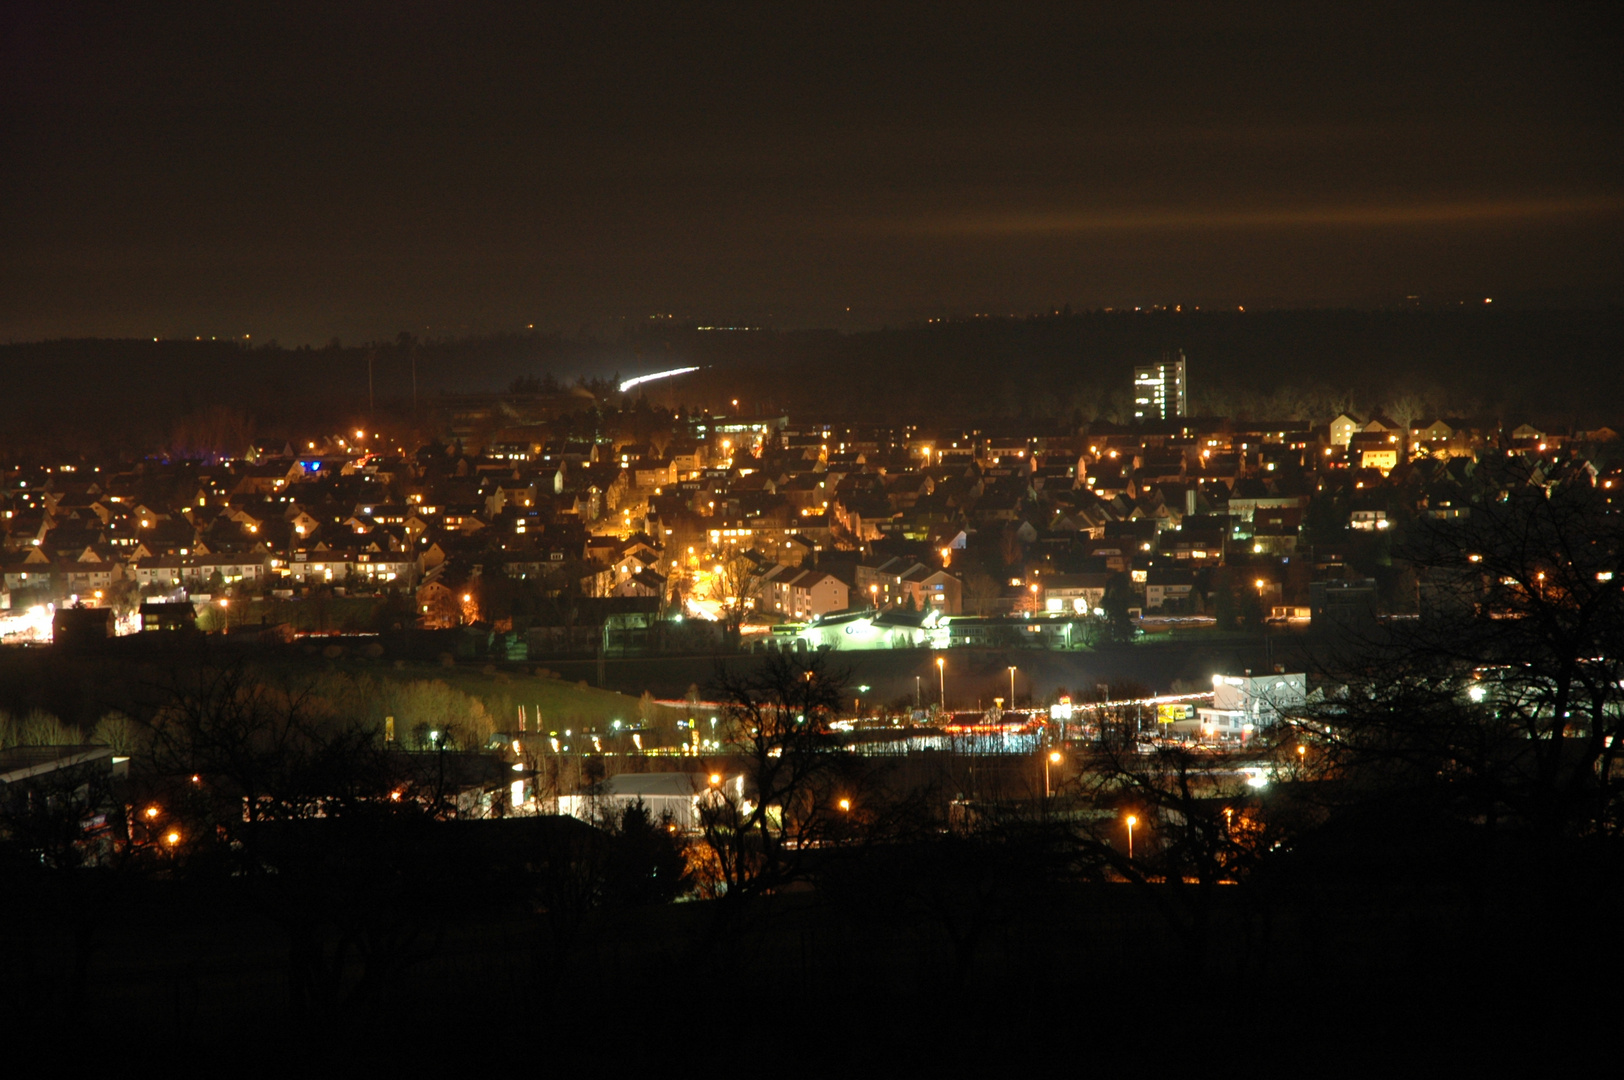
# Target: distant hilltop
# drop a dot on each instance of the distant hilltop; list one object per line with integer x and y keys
{"x": 1557, "y": 366}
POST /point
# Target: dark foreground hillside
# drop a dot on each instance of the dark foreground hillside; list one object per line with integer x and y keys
{"x": 1376, "y": 947}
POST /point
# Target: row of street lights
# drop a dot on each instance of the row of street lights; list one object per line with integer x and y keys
{"x": 941, "y": 675}
{"x": 1050, "y": 759}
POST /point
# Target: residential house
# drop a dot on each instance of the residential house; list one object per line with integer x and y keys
{"x": 801, "y": 594}
{"x": 1078, "y": 594}
{"x": 1168, "y": 587}
{"x": 932, "y": 589}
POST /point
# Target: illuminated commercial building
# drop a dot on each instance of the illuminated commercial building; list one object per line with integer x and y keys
{"x": 1159, "y": 390}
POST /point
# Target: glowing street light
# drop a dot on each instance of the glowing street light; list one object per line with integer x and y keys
{"x": 1132, "y": 821}
{"x": 1012, "y": 686}
{"x": 1053, "y": 757}
{"x": 845, "y": 806}
{"x": 941, "y": 673}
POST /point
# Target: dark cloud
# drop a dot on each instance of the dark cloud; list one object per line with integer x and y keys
{"x": 308, "y": 170}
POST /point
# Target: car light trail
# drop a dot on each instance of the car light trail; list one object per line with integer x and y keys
{"x": 629, "y": 383}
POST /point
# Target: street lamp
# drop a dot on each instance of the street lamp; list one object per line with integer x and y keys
{"x": 941, "y": 673}
{"x": 1052, "y": 758}
{"x": 1012, "y": 686}
{"x": 1132, "y": 821}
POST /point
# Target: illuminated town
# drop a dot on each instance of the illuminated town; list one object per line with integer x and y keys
{"x": 606, "y": 541}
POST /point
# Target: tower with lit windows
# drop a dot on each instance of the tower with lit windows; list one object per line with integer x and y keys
{"x": 1159, "y": 390}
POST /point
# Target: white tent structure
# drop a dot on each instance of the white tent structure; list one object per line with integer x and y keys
{"x": 679, "y": 793}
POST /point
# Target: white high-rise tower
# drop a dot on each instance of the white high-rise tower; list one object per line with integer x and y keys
{"x": 1159, "y": 390}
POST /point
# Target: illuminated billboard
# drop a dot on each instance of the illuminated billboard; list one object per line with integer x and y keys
{"x": 1172, "y": 714}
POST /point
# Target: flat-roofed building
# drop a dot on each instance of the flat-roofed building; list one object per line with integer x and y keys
{"x": 1161, "y": 391}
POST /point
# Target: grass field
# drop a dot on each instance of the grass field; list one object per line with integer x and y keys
{"x": 558, "y": 702}
{"x": 130, "y": 678}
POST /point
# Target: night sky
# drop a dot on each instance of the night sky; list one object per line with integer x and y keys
{"x": 307, "y": 171}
